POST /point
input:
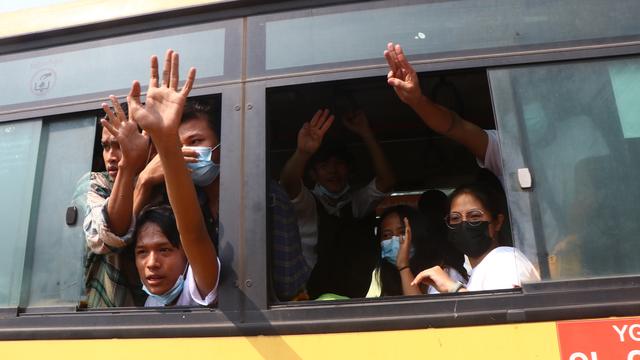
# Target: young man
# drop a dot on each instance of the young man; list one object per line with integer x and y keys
{"x": 335, "y": 222}
{"x": 108, "y": 224}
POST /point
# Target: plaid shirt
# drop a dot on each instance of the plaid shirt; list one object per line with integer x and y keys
{"x": 109, "y": 271}
{"x": 290, "y": 270}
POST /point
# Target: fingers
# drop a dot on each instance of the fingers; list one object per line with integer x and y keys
{"x": 421, "y": 277}
{"x": 407, "y": 230}
{"x": 166, "y": 68}
{"x": 133, "y": 99}
{"x": 315, "y": 118}
{"x": 402, "y": 61}
{"x": 119, "y": 112}
{"x": 153, "y": 81}
{"x": 191, "y": 78}
{"x": 109, "y": 127}
{"x": 189, "y": 153}
{"x": 113, "y": 119}
{"x": 389, "y": 55}
{"x": 175, "y": 71}
{"x": 326, "y": 124}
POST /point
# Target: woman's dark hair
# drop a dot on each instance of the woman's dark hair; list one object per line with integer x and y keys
{"x": 426, "y": 249}
{"x": 488, "y": 196}
{"x": 163, "y": 217}
{"x": 194, "y": 109}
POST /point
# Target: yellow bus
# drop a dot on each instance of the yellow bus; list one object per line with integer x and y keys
{"x": 558, "y": 80}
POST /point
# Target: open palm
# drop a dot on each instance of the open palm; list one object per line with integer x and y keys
{"x": 160, "y": 115}
{"x": 311, "y": 134}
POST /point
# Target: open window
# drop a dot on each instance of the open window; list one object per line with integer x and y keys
{"x": 420, "y": 158}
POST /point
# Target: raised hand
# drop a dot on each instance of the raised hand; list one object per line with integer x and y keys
{"x": 160, "y": 115}
{"x": 134, "y": 145}
{"x": 311, "y": 134}
{"x": 401, "y": 76}
{"x": 404, "y": 253}
{"x": 358, "y": 123}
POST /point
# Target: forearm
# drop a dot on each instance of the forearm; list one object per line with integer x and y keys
{"x": 141, "y": 195}
{"x": 292, "y": 173}
{"x": 447, "y": 123}
{"x": 385, "y": 178}
{"x": 120, "y": 206}
{"x": 406, "y": 277}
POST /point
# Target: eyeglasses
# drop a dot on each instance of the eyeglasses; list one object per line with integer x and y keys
{"x": 474, "y": 217}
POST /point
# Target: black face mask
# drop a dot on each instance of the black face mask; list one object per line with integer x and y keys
{"x": 473, "y": 241}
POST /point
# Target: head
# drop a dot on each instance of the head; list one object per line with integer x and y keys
{"x": 111, "y": 153}
{"x": 474, "y": 207}
{"x": 330, "y": 167}
{"x": 199, "y": 127}
{"x": 434, "y": 204}
{"x": 159, "y": 257}
{"x": 425, "y": 253}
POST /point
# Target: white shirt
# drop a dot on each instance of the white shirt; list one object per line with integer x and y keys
{"x": 190, "y": 296}
{"x": 504, "y": 267}
{"x": 363, "y": 202}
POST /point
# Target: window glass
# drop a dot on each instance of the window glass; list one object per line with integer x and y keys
{"x": 95, "y": 69}
{"x": 574, "y": 126}
{"x": 56, "y": 256}
{"x": 343, "y": 34}
{"x": 19, "y": 144}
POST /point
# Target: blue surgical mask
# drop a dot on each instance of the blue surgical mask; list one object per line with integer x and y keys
{"x": 168, "y": 297}
{"x": 391, "y": 247}
{"x": 205, "y": 171}
{"x": 322, "y": 191}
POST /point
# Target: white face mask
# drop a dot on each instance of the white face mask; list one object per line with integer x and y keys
{"x": 205, "y": 171}
{"x": 169, "y": 296}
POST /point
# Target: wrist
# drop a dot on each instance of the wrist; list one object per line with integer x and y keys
{"x": 455, "y": 287}
{"x": 303, "y": 155}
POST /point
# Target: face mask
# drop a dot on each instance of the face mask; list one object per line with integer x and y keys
{"x": 322, "y": 191}
{"x": 390, "y": 248}
{"x": 205, "y": 171}
{"x": 169, "y": 296}
{"x": 472, "y": 241}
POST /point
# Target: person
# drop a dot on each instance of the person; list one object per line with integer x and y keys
{"x": 173, "y": 273}
{"x": 475, "y": 219}
{"x": 335, "y": 222}
{"x": 198, "y": 133}
{"x": 407, "y": 246}
{"x": 108, "y": 224}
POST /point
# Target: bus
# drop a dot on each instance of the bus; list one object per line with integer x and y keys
{"x": 558, "y": 80}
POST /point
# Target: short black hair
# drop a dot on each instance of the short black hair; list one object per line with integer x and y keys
{"x": 163, "y": 217}
{"x": 194, "y": 109}
{"x": 487, "y": 194}
{"x": 330, "y": 150}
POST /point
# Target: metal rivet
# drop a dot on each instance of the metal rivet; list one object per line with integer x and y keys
{"x": 236, "y": 108}
{"x": 248, "y": 283}
{"x": 249, "y": 106}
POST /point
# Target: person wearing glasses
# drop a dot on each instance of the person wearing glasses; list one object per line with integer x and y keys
{"x": 475, "y": 218}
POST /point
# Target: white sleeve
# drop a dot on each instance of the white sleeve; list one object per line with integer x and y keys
{"x": 365, "y": 200}
{"x": 304, "y": 205}
{"x": 195, "y": 294}
{"x": 492, "y": 159}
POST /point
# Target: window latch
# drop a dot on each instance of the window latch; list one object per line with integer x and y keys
{"x": 524, "y": 178}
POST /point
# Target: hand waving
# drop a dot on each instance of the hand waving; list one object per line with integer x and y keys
{"x": 402, "y": 76}
{"x": 134, "y": 145}
{"x": 311, "y": 134}
{"x": 160, "y": 115}
{"x": 358, "y": 123}
{"x": 404, "y": 253}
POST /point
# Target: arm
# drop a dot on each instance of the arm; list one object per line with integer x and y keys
{"x": 135, "y": 148}
{"x": 358, "y": 123}
{"x": 151, "y": 176}
{"x": 309, "y": 140}
{"x": 404, "y": 80}
{"x": 439, "y": 279}
{"x": 406, "y": 275}
{"x": 160, "y": 117}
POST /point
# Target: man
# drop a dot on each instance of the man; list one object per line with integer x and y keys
{"x": 335, "y": 222}
{"x": 108, "y": 224}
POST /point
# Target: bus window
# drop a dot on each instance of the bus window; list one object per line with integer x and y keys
{"x": 420, "y": 159}
{"x": 574, "y": 126}
{"x": 19, "y": 144}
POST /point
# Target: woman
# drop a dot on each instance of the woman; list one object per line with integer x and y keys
{"x": 406, "y": 247}
{"x": 475, "y": 218}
